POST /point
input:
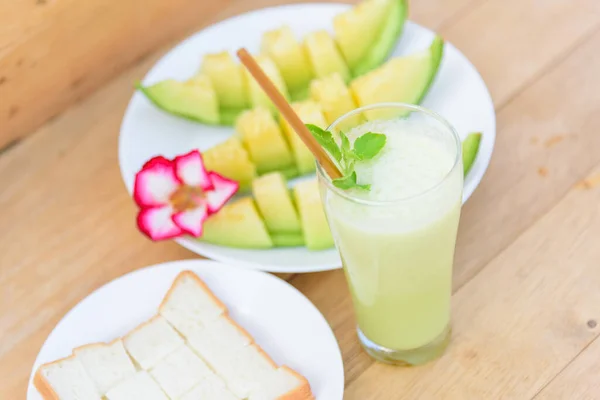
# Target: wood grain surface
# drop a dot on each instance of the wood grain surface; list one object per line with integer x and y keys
{"x": 526, "y": 304}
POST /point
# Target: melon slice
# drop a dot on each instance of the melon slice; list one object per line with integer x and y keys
{"x": 367, "y": 33}
{"x": 287, "y": 239}
{"x": 231, "y": 160}
{"x": 335, "y": 99}
{"x": 402, "y": 79}
{"x": 290, "y": 172}
{"x": 315, "y": 228}
{"x": 470, "y": 148}
{"x": 310, "y": 113}
{"x": 238, "y": 224}
{"x": 258, "y": 97}
{"x": 275, "y": 204}
{"x": 227, "y": 77}
{"x": 289, "y": 56}
{"x": 324, "y": 55}
{"x": 194, "y": 99}
{"x": 263, "y": 139}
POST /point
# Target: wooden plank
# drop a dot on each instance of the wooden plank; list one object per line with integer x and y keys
{"x": 551, "y": 125}
{"x": 55, "y": 52}
{"x": 580, "y": 379}
{"x": 519, "y": 321}
{"x": 517, "y": 39}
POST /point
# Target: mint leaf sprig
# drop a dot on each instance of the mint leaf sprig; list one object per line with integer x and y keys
{"x": 366, "y": 147}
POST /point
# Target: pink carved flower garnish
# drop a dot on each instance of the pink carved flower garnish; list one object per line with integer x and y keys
{"x": 176, "y": 196}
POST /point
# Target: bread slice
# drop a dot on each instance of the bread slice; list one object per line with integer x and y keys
{"x": 189, "y": 304}
{"x": 151, "y": 342}
{"x": 180, "y": 371}
{"x": 221, "y": 335}
{"x": 209, "y": 390}
{"x": 242, "y": 369}
{"x": 140, "y": 386}
{"x": 107, "y": 364}
{"x": 65, "y": 379}
{"x": 283, "y": 384}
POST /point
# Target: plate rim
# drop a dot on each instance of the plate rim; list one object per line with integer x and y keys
{"x": 188, "y": 264}
{"x": 478, "y": 171}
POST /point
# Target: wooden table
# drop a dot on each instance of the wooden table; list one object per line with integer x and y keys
{"x": 526, "y": 299}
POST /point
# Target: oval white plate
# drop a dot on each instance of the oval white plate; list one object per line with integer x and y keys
{"x": 281, "y": 320}
{"x": 458, "y": 93}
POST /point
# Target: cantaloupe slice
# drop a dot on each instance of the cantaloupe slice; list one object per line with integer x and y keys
{"x": 324, "y": 55}
{"x": 238, "y": 224}
{"x": 231, "y": 160}
{"x": 262, "y": 137}
{"x": 258, "y": 97}
{"x": 315, "y": 228}
{"x": 310, "y": 113}
{"x": 335, "y": 99}
{"x": 402, "y": 79}
{"x": 194, "y": 99}
{"x": 227, "y": 77}
{"x": 367, "y": 33}
{"x": 275, "y": 204}
{"x": 289, "y": 56}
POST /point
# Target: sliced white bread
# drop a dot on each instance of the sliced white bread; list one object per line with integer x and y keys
{"x": 283, "y": 384}
{"x": 181, "y": 370}
{"x": 243, "y": 369}
{"x": 221, "y": 335}
{"x": 151, "y": 342}
{"x": 209, "y": 390}
{"x": 140, "y": 386}
{"x": 65, "y": 379}
{"x": 107, "y": 364}
{"x": 189, "y": 304}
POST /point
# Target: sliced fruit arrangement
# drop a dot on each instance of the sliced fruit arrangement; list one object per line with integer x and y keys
{"x": 258, "y": 98}
{"x": 314, "y": 223}
{"x": 402, "y": 79}
{"x": 229, "y": 82}
{"x": 238, "y": 224}
{"x": 230, "y": 159}
{"x": 364, "y": 37}
{"x": 325, "y": 56}
{"x": 194, "y": 99}
{"x": 275, "y": 204}
{"x": 470, "y": 148}
{"x": 262, "y": 137}
{"x": 334, "y": 97}
{"x": 310, "y": 112}
{"x": 271, "y": 219}
{"x": 287, "y": 53}
{"x": 366, "y": 34}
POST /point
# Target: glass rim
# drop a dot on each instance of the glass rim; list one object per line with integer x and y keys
{"x": 323, "y": 175}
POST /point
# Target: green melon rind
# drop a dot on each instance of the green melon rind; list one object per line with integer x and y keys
{"x": 144, "y": 90}
{"x": 287, "y": 239}
{"x": 229, "y": 115}
{"x": 436, "y": 49}
{"x": 388, "y": 37}
{"x": 470, "y": 148}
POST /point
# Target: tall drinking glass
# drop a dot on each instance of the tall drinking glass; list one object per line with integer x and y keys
{"x": 397, "y": 239}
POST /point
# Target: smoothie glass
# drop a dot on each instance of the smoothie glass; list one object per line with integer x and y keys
{"x": 397, "y": 249}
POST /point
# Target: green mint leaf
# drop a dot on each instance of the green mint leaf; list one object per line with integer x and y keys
{"x": 345, "y": 144}
{"x": 325, "y": 139}
{"x": 369, "y": 145}
{"x": 349, "y": 182}
{"x": 348, "y": 157}
{"x": 346, "y": 182}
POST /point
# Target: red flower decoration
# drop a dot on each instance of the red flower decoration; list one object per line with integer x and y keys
{"x": 176, "y": 196}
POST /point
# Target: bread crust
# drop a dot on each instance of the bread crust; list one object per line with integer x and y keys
{"x": 200, "y": 282}
{"x": 239, "y": 328}
{"x": 301, "y": 392}
{"x": 41, "y": 383}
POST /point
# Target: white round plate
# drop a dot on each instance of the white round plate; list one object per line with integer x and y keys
{"x": 281, "y": 320}
{"x": 458, "y": 93}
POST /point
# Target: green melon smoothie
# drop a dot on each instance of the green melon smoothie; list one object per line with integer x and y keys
{"x": 397, "y": 239}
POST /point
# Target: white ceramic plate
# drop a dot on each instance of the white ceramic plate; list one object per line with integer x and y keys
{"x": 281, "y": 320}
{"x": 458, "y": 93}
